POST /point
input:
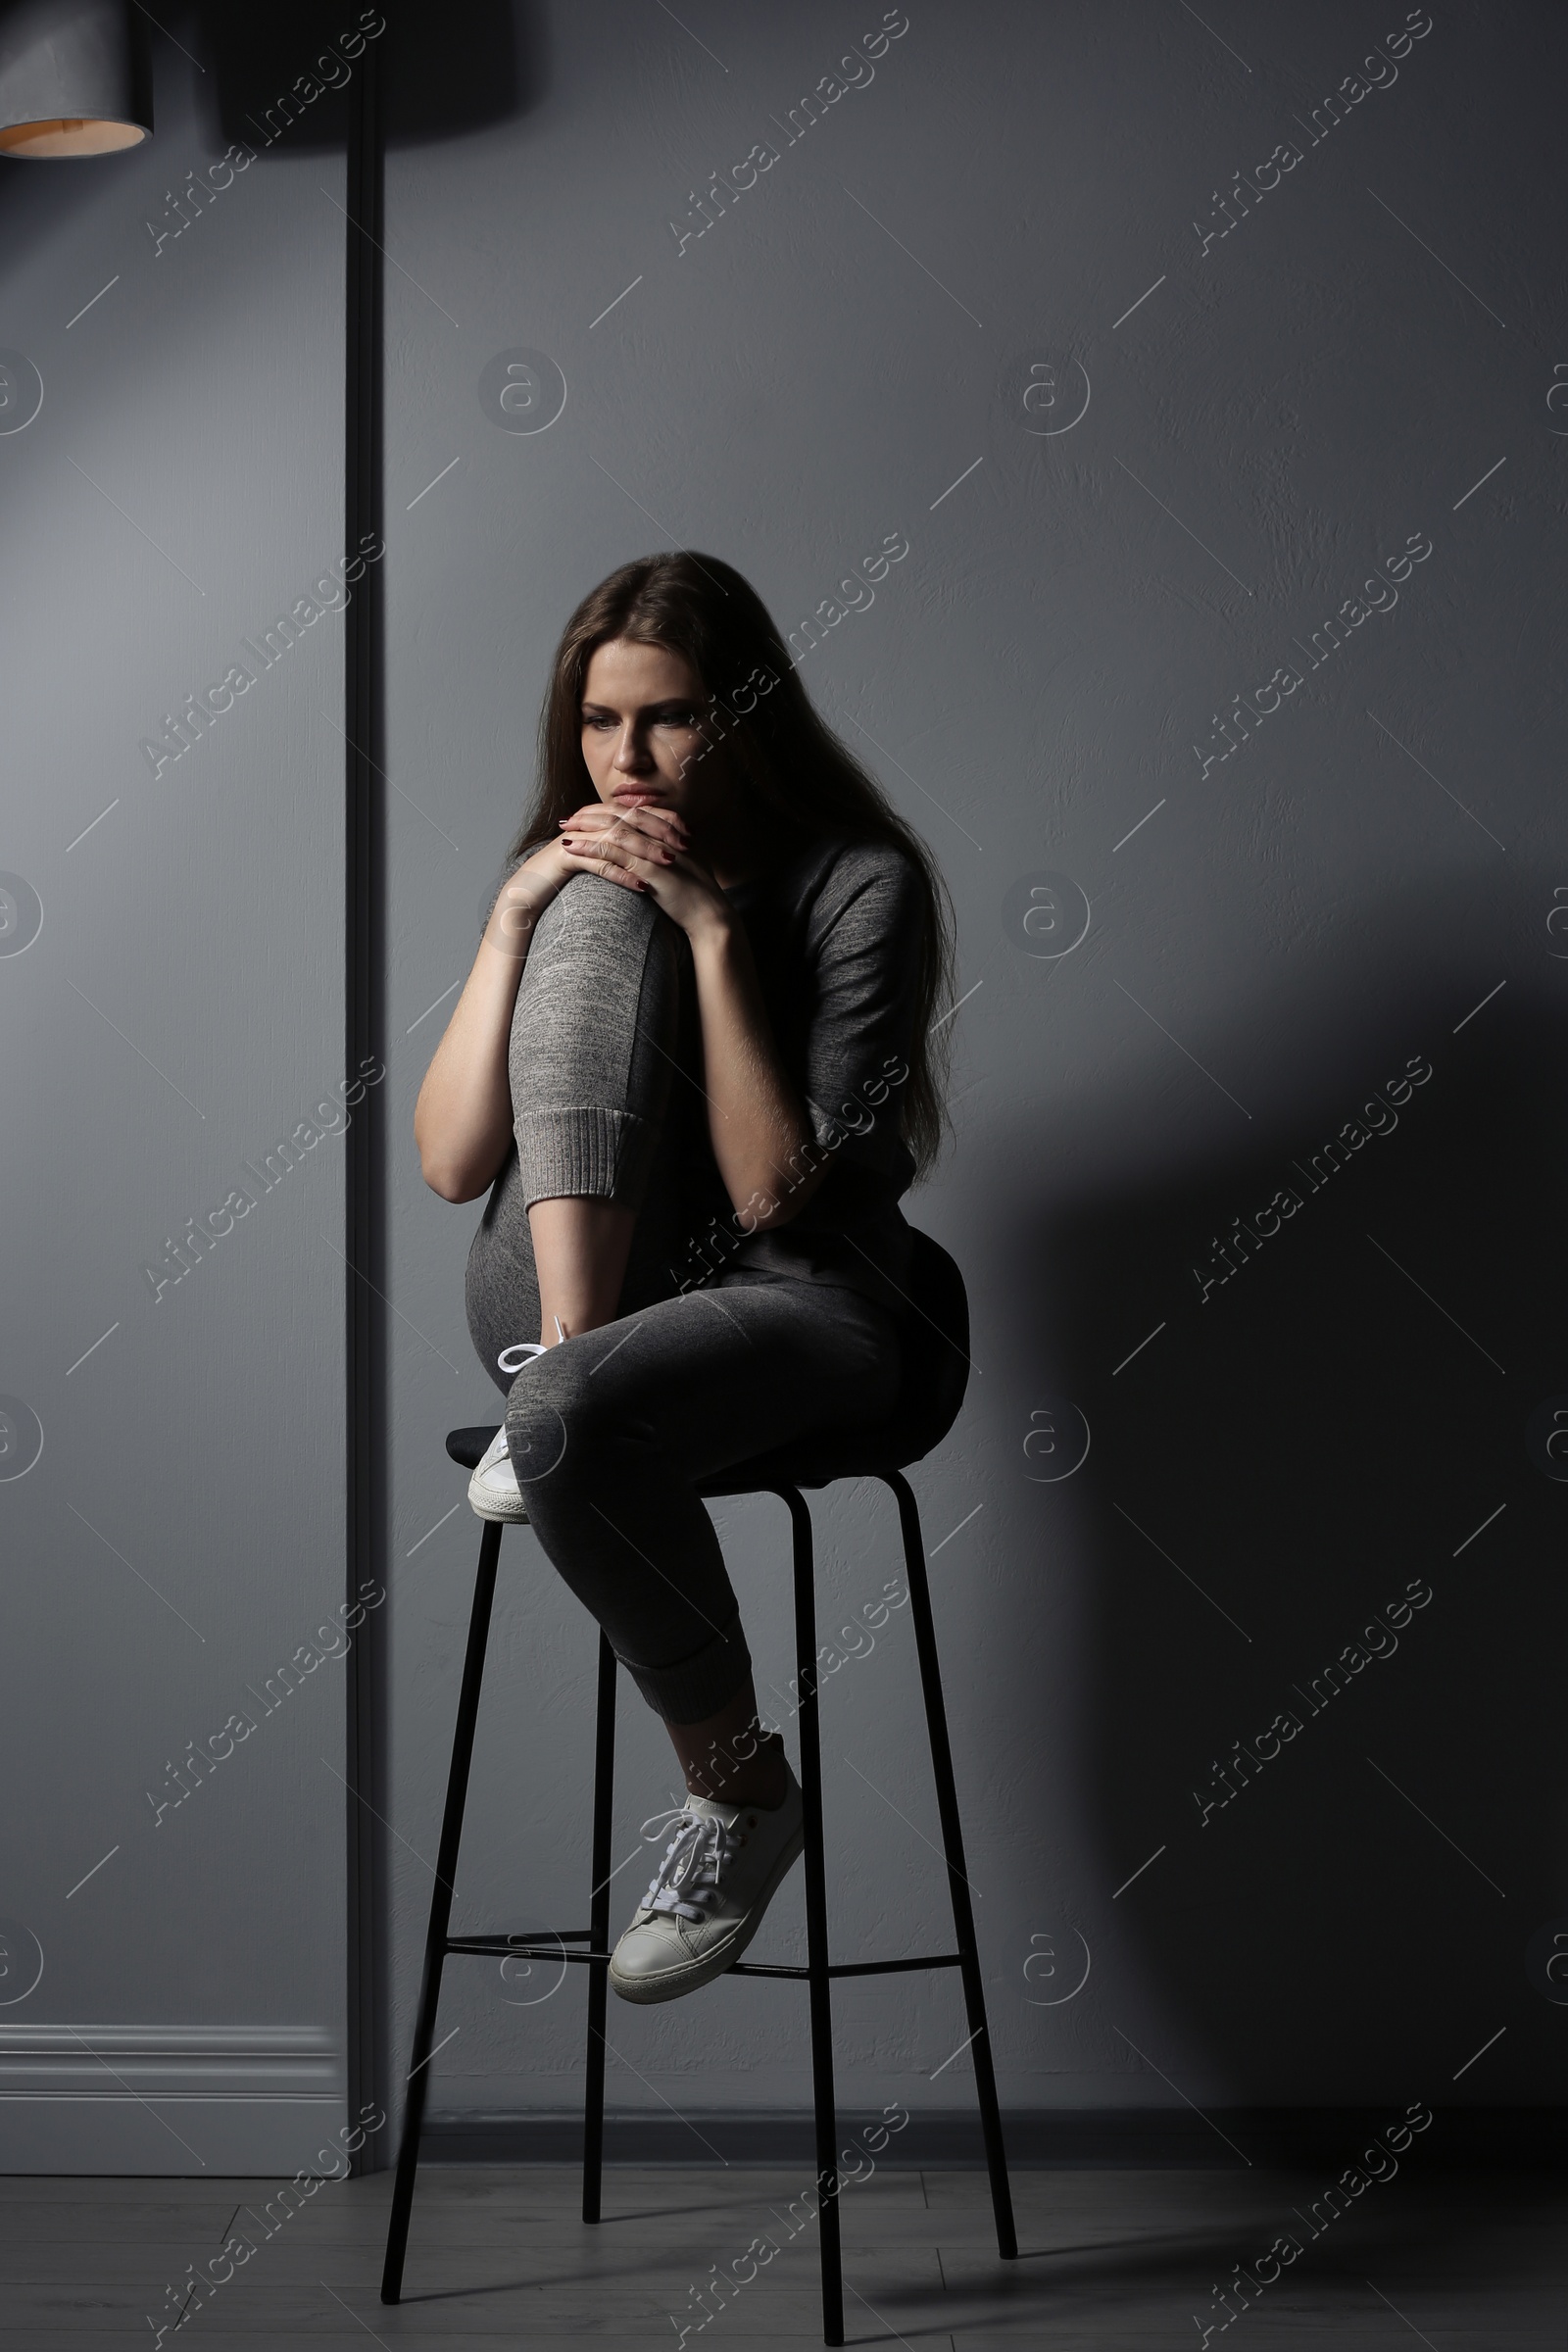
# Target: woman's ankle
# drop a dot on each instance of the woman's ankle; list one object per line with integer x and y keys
{"x": 759, "y": 1776}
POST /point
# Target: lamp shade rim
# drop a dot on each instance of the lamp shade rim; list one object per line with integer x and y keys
{"x": 59, "y": 138}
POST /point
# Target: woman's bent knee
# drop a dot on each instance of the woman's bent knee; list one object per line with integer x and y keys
{"x": 559, "y": 1427}
{"x": 586, "y": 915}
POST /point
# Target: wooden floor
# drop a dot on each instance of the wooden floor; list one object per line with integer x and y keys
{"x": 1463, "y": 2262}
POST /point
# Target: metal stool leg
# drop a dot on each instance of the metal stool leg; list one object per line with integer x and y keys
{"x": 816, "y": 1954}
{"x": 446, "y": 1870}
{"x": 593, "y": 2114}
{"x": 974, "y": 2001}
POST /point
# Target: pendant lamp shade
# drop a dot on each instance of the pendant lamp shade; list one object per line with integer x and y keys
{"x": 74, "y": 78}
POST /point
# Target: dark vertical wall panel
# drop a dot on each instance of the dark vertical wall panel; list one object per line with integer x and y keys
{"x": 364, "y": 961}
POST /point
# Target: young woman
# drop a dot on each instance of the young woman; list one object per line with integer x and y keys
{"x": 696, "y": 1065}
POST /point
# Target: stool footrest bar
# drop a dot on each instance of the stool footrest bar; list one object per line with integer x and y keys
{"x": 490, "y": 1947}
{"x": 846, "y": 1967}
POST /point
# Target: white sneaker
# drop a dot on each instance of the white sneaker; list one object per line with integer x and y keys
{"x": 493, "y": 1490}
{"x": 721, "y": 1868}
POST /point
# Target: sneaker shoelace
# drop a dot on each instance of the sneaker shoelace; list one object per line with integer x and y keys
{"x": 687, "y": 1880}
{"x": 511, "y": 1360}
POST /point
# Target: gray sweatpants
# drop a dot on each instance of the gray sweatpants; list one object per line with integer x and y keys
{"x": 609, "y": 1432}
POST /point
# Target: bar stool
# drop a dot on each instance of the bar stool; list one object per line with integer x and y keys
{"x": 935, "y": 1347}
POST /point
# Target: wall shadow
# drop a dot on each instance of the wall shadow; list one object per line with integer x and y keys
{"x": 1303, "y": 1442}
{"x": 444, "y": 74}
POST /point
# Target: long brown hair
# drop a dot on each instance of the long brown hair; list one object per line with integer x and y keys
{"x": 700, "y": 607}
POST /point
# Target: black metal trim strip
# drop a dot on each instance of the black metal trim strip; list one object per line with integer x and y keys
{"x": 1527, "y": 2139}
{"x": 368, "y": 2070}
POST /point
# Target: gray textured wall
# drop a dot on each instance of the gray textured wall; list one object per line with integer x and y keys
{"x": 1274, "y": 411}
{"x": 894, "y": 331}
{"x": 180, "y": 1539}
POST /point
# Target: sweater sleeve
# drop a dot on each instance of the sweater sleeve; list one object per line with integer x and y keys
{"x": 863, "y": 944}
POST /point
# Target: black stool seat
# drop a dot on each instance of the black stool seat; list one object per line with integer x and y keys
{"x": 470, "y": 1445}
{"x": 934, "y": 1353}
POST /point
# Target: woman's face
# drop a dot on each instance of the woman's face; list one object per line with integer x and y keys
{"x": 642, "y": 733}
